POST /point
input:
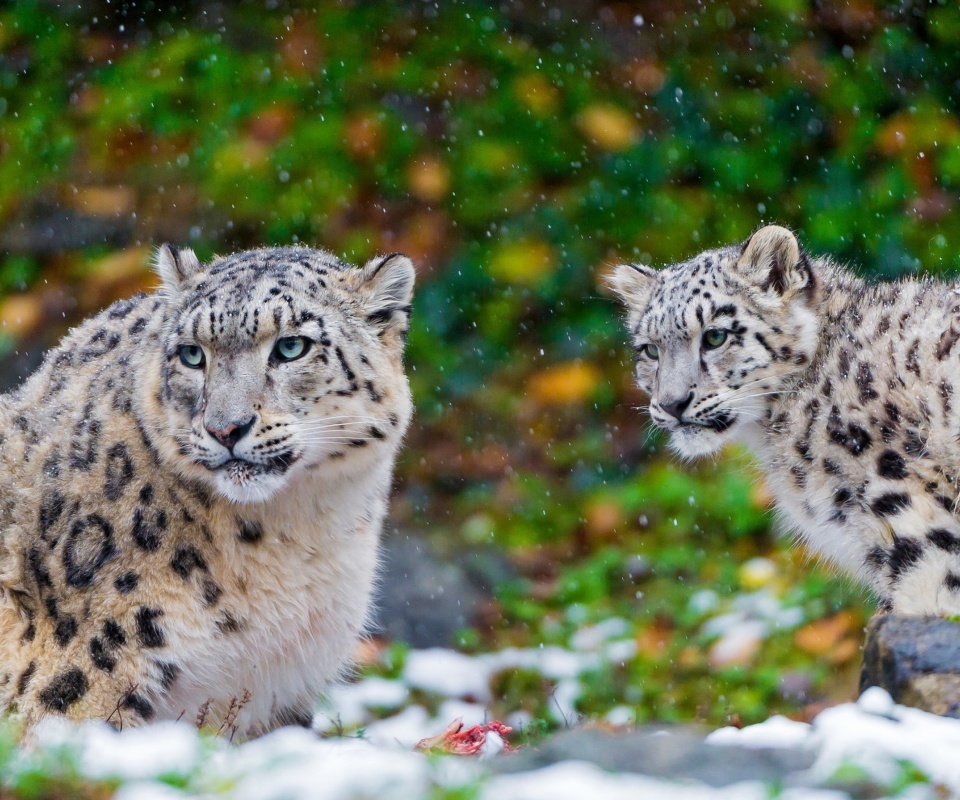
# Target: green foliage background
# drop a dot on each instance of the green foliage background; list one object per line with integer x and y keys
{"x": 515, "y": 151}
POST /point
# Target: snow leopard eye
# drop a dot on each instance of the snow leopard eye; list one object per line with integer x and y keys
{"x": 290, "y": 348}
{"x": 651, "y": 351}
{"x": 713, "y": 338}
{"x": 191, "y": 356}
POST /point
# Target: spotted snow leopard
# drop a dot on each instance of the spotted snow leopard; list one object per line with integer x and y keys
{"x": 846, "y": 391}
{"x": 192, "y": 488}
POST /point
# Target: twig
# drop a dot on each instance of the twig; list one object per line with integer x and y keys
{"x": 233, "y": 712}
{"x": 120, "y": 703}
{"x": 202, "y": 714}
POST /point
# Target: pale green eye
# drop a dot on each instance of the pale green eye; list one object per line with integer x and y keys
{"x": 290, "y": 348}
{"x": 191, "y": 356}
{"x": 713, "y": 338}
{"x": 651, "y": 351}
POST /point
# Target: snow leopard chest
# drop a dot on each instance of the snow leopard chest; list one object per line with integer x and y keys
{"x": 294, "y": 607}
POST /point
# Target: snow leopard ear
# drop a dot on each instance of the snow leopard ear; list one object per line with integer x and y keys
{"x": 773, "y": 260}
{"x": 633, "y": 284}
{"x": 175, "y": 266}
{"x": 388, "y": 282}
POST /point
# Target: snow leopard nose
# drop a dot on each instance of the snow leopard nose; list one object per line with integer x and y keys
{"x": 232, "y": 433}
{"x": 675, "y": 408}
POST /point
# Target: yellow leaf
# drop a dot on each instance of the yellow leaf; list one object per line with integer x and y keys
{"x": 608, "y": 127}
{"x": 757, "y": 573}
{"x": 571, "y": 382}
{"x": 526, "y": 262}
{"x": 20, "y": 313}
{"x": 104, "y": 201}
{"x": 603, "y": 517}
{"x": 117, "y": 267}
{"x": 537, "y": 94}
{"x": 429, "y": 179}
{"x": 654, "y": 640}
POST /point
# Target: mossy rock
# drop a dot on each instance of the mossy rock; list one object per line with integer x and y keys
{"x": 916, "y": 659}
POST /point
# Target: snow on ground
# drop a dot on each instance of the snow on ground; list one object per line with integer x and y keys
{"x": 462, "y": 683}
{"x": 365, "y": 733}
{"x": 574, "y": 780}
{"x": 294, "y": 763}
{"x": 873, "y": 736}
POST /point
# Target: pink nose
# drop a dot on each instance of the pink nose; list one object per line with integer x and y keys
{"x": 232, "y": 433}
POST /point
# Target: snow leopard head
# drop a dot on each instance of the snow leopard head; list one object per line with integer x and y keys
{"x": 716, "y": 335}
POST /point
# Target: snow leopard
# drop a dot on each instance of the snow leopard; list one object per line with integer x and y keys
{"x": 192, "y": 488}
{"x": 846, "y": 391}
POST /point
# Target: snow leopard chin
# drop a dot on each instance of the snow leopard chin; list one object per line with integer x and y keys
{"x": 697, "y": 441}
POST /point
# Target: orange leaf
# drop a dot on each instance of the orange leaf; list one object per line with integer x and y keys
{"x": 429, "y": 179}
{"x": 570, "y": 382}
{"x": 608, "y": 127}
{"x": 820, "y": 637}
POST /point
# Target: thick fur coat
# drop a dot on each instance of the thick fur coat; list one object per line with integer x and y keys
{"x": 846, "y": 391}
{"x": 192, "y": 490}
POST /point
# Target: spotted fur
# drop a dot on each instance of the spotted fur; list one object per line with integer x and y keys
{"x": 176, "y": 537}
{"x": 844, "y": 389}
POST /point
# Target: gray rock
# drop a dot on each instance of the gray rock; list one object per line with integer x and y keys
{"x": 423, "y": 600}
{"x": 49, "y": 231}
{"x": 674, "y": 754}
{"x": 916, "y": 659}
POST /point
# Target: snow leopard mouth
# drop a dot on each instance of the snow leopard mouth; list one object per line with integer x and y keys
{"x": 720, "y": 422}
{"x": 703, "y": 437}
{"x": 241, "y": 471}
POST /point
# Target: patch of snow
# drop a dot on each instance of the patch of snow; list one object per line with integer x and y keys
{"x": 493, "y": 743}
{"x": 340, "y": 769}
{"x": 874, "y": 735}
{"x": 720, "y": 624}
{"x": 619, "y": 652}
{"x": 878, "y": 744}
{"x": 704, "y": 601}
{"x": 551, "y": 661}
{"x": 166, "y": 748}
{"x": 620, "y": 715}
{"x": 877, "y": 701}
{"x": 763, "y": 608}
{"x": 519, "y": 720}
{"x": 350, "y": 704}
{"x": 763, "y": 604}
{"x": 821, "y": 794}
{"x": 403, "y": 730}
{"x": 448, "y": 673}
{"x": 376, "y": 693}
{"x": 563, "y": 702}
{"x": 147, "y": 790}
{"x": 591, "y": 637}
{"x": 777, "y": 732}
{"x": 155, "y": 751}
{"x": 574, "y": 780}
{"x": 788, "y": 618}
{"x": 738, "y": 644}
